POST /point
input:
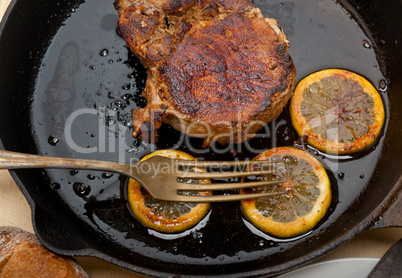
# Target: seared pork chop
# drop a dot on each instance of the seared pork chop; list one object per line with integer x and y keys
{"x": 217, "y": 69}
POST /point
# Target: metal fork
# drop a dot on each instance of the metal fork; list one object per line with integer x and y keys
{"x": 164, "y": 178}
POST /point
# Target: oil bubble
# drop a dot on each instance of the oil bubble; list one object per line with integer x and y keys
{"x": 366, "y": 44}
{"x": 118, "y": 103}
{"x": 53, "y": 140}
{"x": 118, "y": 32}
{"x": 104, "y": 52}
{"x": 73, "y": 172}
{"x": 127, "y": 124}
{"x": 107, "y": 175}
{"x": 109, "y": 121}
{"x": 126, "y": 86}
{"x": 126, "y": 96}
{"x": 55, "y": 186}
{"x": 81, "y": 189}
{"x": 383, "y": 85}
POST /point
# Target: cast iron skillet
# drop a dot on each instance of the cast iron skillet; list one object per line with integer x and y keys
{"x": 64, "y": 58}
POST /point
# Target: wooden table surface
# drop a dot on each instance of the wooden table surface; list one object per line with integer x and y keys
{"x": 15, "y": 211}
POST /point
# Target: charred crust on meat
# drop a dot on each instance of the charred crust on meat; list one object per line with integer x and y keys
{"x": 177, "y": 6}
{"x": 183, "y": 73}
{"x": 162, "y": 69}
{"x": 211, "y": 9}
{"x": 238, "y": 5}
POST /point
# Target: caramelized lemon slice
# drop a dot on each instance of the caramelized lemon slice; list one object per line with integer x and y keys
{"x": 339, "y": 111}
{"x": 166, "y": 216}
{"x": 302, "y": 200}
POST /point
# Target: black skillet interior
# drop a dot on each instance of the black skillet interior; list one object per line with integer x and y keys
{"x": 67, "y": 84}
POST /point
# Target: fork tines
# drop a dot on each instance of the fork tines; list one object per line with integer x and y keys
{"x": 225, "y": 198}
{"x": 241, "y": 169}
{"x": 227, "y": 164}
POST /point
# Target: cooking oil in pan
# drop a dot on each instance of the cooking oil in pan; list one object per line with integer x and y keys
{"x": 88, "y": 72}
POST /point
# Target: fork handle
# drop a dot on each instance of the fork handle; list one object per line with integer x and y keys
{"x": 14, "y": 160}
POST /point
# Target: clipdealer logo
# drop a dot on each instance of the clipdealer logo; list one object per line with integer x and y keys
{"x": 108, "y": 142}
